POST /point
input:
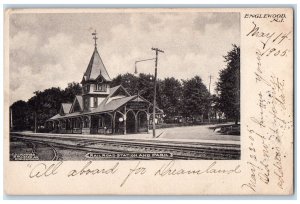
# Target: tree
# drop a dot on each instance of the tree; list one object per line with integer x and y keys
{"x": 128, "y": 81}
{"x": 196, "y": 97}
{"x": 42, "y": 106}
{"x": 228, "y": 86}
{"x": 71, "y": 91}
{"x": 19, "y": 113}
{"x": 146, "y": 88}
{"x": 143, "y": 84}
{"x": 170, "y": 90}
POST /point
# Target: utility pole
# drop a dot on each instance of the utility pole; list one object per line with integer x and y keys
{"x": 210, "y": 76}
{"x": 35, "y": 122}
{"x": 35, "y": 116}
{"x": 154, "y": 100}
{"x": 11, "y": 118}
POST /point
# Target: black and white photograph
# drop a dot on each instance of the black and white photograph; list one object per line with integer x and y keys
{"x": 124, "y": 86}
{"x": 149, "y": 101}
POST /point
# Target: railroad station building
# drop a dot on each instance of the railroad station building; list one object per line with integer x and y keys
{"x": 102, "y": 109}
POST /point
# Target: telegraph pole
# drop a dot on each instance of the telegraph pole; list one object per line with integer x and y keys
{"x": 35, "y": 123}
{"x": 154, "y": 99}
{"x": 11, "y": 118}
{"x": 210, "y": 76}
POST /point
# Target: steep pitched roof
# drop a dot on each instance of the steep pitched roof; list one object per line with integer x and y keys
{"x": 95, "y": 68}
{"x": 66, "y": 107}
{"x": 112, "y": 93}
{"x": 114, "y": 89}
{"x": 78, "y": 99}
{"x": 65, "y": 116}
{"x": 55, "y": 117}
{"x": 106, "y": 106}
{"x": 113, "y": 105}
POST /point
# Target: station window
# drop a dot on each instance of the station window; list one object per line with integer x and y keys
{"x": 86, "y": 88}
{"x": 101, "y": 87}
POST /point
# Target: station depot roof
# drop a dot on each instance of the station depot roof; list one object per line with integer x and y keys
{"x": 66, "y": 107}
{"x": 96, "y": 68}
{"x": 106, "y": 106}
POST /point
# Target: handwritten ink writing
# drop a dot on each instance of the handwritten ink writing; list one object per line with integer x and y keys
{"x": 86, "y": 170}
{"x": 267, "y": 127}
{"x": 43, "y": 170}
{"x": 278, "y": 168}
{"x": 169, "y": 170}
{"x": 267, "y": 36}
{"x": 135, "y": 171}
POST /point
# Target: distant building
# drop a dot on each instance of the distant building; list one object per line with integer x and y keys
{"x": 102, "y": 109}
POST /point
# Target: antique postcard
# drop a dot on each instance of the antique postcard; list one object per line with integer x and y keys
{"x": 148, "y": 101}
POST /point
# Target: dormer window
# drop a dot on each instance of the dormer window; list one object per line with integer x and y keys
{"x": 101, "y": 87}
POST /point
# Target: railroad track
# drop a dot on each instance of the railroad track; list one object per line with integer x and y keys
{"x": 55, "y": 157}
{"x": 179, "y": 151}
{"x": 64, "y": 146}
{"x": 206, "y": 152}
{"x": 89, "y": 139}
{"x": 33, "y": 145}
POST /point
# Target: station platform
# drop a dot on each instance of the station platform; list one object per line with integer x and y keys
{"x": 201, "y": 134}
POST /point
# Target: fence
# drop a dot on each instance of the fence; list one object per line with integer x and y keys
{"x": 204, "y": 122}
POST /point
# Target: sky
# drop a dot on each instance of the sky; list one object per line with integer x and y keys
{"x": 53, "y": 49}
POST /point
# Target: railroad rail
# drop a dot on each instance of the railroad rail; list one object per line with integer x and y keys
{"x": 179, "y": 150}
